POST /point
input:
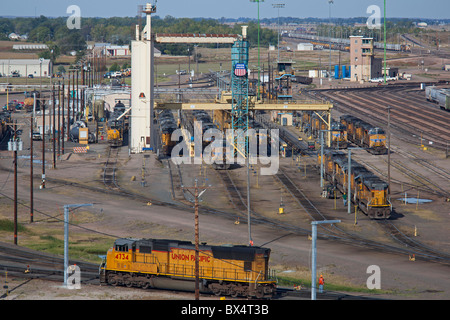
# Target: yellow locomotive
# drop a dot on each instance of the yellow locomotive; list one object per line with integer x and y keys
{"x": 363, "y": 134}
{"x": 170, "y": 264}
{"x": 167, "y": 126}
{"x": 369, "y": 192}
{"x": 115, "y": 132}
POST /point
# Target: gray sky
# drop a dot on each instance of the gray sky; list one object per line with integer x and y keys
{"x": 438, "y": 9}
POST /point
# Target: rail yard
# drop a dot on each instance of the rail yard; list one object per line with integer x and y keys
{"x": 153, "y": 217}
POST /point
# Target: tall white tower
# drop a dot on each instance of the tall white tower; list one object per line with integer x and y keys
{"x": 142, "y": 87}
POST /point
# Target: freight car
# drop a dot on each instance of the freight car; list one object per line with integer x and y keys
{"x": 364, "y": 135}
{"x": 438, "y": 95}
{"x": 170, "y": 264}
{"x": 443, "y": 99}
{"x": 370, "y": 192}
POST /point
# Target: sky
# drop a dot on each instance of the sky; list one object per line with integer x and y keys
{"x": 437, "y": 9}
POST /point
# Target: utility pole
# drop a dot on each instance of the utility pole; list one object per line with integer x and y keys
{"x": 389, "y": 148}
{"x": 31, "y": 159}
{"x": 259, "y": 69}
{"x": 330, "y": 2}
{"x": 63, "y": 119}
{"x": 384, "y": 41}
{"x": 68, "y": 109}
{"x": 53, "y": 127}
{"x": 349, "y": 173}
{"x": 14, "y": 145}
{"x": 15, "y": 181}
{"x": 278, "y": 6}
{"x": 43, "y": 145}
{"x": 196, "y": 196}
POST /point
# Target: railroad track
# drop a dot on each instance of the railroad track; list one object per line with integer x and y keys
{"x": 235, "y": 195}
{"x": 109, "y": 170}
{"x": 26, "y": 263}
{"x": 430, "y": 120}
{"x": 418, "y": 250}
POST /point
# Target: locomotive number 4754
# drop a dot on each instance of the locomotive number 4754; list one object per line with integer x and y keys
{"x": 122, "y": 256}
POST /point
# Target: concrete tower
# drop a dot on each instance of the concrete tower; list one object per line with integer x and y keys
{"x": 142, "y": 87}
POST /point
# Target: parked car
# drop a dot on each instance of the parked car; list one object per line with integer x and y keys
{"x": 37, "y": 136}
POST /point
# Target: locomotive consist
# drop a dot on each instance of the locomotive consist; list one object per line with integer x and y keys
{"x": 170, "y": 264}
{"x": 369, "y": 192}
{"x": 365, "y": 135}
{"x": 167, "y": 126}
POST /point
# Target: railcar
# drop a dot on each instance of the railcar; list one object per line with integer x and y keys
{"x": 170, "y": 264}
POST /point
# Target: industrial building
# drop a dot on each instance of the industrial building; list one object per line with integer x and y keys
{"x": 26, "y": 67}
{"x": 363, "y": 64}
{"x": 305, "y": 47}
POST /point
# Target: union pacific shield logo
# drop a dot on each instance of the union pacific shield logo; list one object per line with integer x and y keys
{"x": 240, "y": 70}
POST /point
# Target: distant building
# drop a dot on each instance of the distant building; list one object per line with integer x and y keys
{"x": 30, "y": 47}
{"x": 363, "y": 64}
{"x": 116, "y": 51}
{"x": 26, "y": 67}
{"x": 13, "y": 36}
{"x": 305, "y": 47}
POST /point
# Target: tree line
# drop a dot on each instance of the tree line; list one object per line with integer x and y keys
{"x": 117, "y": 30}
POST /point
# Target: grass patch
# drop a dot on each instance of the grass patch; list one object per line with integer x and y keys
{"x": 87, "y": 249}
{"x": 333, "y": 284}
{"x": 8, "y": 226}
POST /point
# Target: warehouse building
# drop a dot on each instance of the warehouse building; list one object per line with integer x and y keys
{"x": 26, "y": 67}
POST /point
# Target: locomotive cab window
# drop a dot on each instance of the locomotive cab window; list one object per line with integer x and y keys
{"x": 123, "y": 248}
{"x": 247, "y": 266}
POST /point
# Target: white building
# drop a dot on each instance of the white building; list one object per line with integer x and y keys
{"x": 26, "y": 67}
{"x": 116, "y": 51}
{"x": 305, "y": 47}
